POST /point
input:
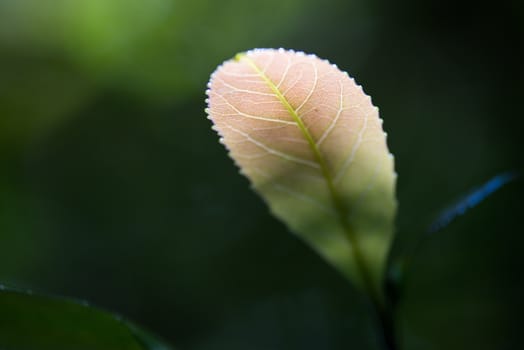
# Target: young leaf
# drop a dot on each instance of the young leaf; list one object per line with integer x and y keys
{"x": 311, "y": 143}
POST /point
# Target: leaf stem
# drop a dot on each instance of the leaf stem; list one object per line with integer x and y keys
{"x": 386, "y": 318}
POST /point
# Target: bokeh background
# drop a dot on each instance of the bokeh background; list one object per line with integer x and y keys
{"x": 114, "y": 189}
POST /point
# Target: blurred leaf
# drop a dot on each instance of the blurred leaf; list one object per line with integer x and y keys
{"x": 312, "y": 144}
{"x": 35, "y": 99}
{"x": 471, "y": 200}
{"x": 148, "y": 340}
{"x": 159, "y": 49}
{"x": 29, "y": 321}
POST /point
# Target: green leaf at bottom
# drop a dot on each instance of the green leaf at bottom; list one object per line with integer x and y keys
{"x": 36, "y": 322}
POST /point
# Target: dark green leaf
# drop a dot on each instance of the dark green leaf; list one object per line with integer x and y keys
{"x": 29, "y": 321}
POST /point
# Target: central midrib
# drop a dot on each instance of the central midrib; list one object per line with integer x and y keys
{"x": 337, "y": 201}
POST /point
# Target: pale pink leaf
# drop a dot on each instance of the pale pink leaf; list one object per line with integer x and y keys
{"x": 311, "y": 143}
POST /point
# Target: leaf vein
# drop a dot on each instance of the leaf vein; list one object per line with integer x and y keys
{"x": 274, "y": 151}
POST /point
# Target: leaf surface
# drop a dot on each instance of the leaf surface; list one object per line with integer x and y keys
{"x": 311, "y": 143}
{"x": 36, "y": 322}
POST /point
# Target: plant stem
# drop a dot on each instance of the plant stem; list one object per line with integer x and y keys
{"x": 385, "y": 312}
{"x": 383, "y": 303}
{"x": 387, "y": 323}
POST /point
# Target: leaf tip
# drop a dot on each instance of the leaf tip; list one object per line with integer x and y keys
{"x": 239, "y": 56}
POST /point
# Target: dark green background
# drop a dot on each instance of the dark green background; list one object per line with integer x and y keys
{"x": 114, "y": 189}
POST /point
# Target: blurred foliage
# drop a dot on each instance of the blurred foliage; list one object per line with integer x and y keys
{"x": 115, "y": 190}
{"x": 157, "y": 49}
{"x": 34, "y": 322}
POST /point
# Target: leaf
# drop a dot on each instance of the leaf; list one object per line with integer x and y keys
{"x": 471, "y": 200}
{"x": 97, "y": 38}
{"x": 311, "y": 143}
{"x": 29, "y": 321}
